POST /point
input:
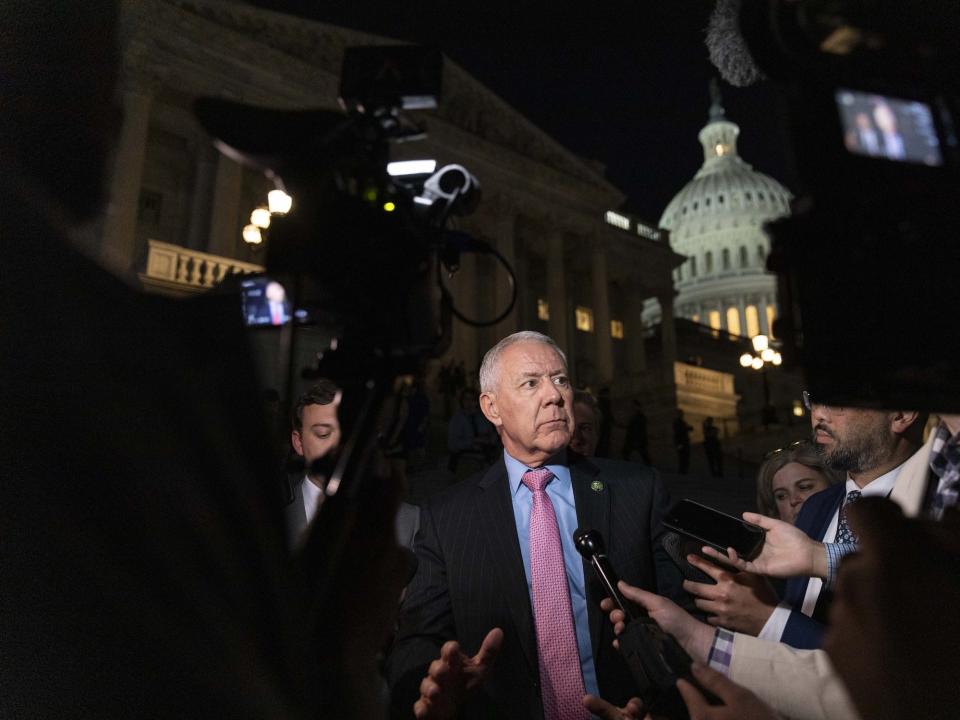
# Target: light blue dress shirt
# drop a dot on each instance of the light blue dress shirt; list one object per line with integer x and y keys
{"x": 560, "y": 492}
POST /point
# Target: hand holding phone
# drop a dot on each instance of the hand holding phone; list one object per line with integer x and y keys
{"x": 714, "y": 528}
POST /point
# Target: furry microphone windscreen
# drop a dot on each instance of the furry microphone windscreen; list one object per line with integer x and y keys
{"x": 728, "y": 49}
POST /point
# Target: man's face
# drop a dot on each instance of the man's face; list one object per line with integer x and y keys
{"x": 585, "y": 436}
{"x": 320, "y": 433}
{"x": 851, "y": 439}
{"x": 532, "y": 404}
{"x": 275, "y": 292}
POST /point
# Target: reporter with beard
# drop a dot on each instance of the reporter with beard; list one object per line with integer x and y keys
{"x": 870, "y": 446}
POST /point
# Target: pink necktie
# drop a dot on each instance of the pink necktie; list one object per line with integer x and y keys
{"x": 560, "y": 678}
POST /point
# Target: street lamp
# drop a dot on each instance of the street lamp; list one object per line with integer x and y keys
{"x": 765, "y": 355}
{"x": 278, "y": 203}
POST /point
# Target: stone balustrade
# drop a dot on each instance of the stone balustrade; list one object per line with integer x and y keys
{"x": 178, "y": 270}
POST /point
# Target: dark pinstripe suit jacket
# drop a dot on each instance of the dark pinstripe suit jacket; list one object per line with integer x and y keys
{"x": 471, "y": 579}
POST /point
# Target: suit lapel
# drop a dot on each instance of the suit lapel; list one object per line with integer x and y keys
{"x": 499, "y": 531}
{"x": 910, "y": 487}
{"x": 814, "y": 523}
{"x": 592, "y": 497}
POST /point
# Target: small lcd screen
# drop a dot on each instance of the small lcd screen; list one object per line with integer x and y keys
{"x": 264, "y": 302}
{"x": 888, "y": 128}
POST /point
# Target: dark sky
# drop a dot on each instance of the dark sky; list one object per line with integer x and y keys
{"x": 619, "y": 81}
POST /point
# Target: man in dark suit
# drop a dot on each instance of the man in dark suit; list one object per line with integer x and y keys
{"x": 315, "y": 437}
{"x": 870, "y": 446}
{"x": 512, "y": 644}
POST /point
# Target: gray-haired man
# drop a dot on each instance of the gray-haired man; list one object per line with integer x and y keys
{"x": 502, "y": 618}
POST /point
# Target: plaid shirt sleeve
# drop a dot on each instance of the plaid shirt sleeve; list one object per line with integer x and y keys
{"x": 721, "y": 652}
{"x": 835, "y": 553}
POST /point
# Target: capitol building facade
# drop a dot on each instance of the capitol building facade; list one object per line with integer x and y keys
{"x": 716, "y": 221}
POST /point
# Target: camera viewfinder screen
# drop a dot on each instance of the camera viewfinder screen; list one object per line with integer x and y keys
{"x": 264, "y": 302}
{"x": 888, "y": 128}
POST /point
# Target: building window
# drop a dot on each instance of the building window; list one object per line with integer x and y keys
{"x": 584, "y": 319}
{"x": 725, "y": 258}
{"x": 680, "y": 274}
{"x": 543, "y": 309}
{"x": 713, "y": 319}
{"x": 761, "y": 255}
{"x": 744, "y": 256}
{"x": 617, "y": 220}
{"x": 733, "y": 321}
{"x": 708, "y": 262}
{"x": 693, "y": 267}
{"x": 616, "y": 329}
{"x": 771, "y": 316}
{"x": 695, "y": 317}
{"x": 753, "y": 321}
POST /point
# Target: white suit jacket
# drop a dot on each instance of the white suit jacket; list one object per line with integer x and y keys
{"x": 802, "y": 684}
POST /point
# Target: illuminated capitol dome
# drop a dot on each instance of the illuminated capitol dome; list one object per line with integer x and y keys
{"x": 716, "y": 221}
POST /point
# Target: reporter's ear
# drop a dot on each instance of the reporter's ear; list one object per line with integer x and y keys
{"x": 906, "y": 422}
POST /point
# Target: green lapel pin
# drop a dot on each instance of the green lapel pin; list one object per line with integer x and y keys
{"x": 596, "y": 486}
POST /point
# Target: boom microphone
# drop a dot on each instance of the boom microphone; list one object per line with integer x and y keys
{"x": 728, "y": 49}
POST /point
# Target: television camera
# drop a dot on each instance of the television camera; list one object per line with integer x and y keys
{"x": 868, "y": 261}
{"x": 366, "y": 251}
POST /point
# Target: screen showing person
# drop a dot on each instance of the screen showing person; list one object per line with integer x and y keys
{"x": 888, "y": 128}
{"x": 264, "y": 302}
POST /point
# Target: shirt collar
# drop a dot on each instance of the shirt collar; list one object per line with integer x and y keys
{"x": 880, "y": 487}
{"x": 515, "y": 470}
{"x": 311, "y": 497}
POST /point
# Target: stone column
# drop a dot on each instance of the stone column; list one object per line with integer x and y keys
{"x": 119, "y": 249}
{"x": 636, "y": 347}
{"x": 204, "y": 174}
{"x": 668, "y": 335}
{"x": 225, "y": 225}
{"x": 742, "y": 309}
{"x": 762, "y": 310}
{"x": 557, "y": 290}
{"x": 601, "y": 312}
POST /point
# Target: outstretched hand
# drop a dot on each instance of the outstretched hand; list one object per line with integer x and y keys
{"x": 738, "y": 702}
{"x": 694, "y": 636}
{"x": 740, "y": 601}
{"x": 787, "y": 551}
{"x": 604, "y": 710}
{"x": 453, "y": 675}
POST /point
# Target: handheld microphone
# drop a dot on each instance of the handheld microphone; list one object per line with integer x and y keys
{"x": 590, "y": 545}
{"x": 654, "y": 658}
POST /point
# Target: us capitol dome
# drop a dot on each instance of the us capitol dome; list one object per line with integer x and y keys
{"x": 716, "y": 221}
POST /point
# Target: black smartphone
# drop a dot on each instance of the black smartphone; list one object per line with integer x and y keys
{"x": 715, "y": 528}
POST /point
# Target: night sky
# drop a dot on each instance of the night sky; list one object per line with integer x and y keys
{"x": 622, "y": 82}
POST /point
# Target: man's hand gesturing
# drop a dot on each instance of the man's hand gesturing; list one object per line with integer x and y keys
{"x": 453, "y": 675}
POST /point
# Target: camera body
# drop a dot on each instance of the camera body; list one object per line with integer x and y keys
{"x": 870, "y": 97}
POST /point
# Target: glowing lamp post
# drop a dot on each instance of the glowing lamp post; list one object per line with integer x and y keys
{"x": 765, "y": 355}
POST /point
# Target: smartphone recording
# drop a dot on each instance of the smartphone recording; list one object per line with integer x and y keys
{"x": 715, "y": 528}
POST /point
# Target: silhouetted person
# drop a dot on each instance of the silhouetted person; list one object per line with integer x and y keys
{"x": 143, "y": 562}
{"x": 712, "y": 448}
{"x": 636, "y": 437}
{"x": 681, "y": 441}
